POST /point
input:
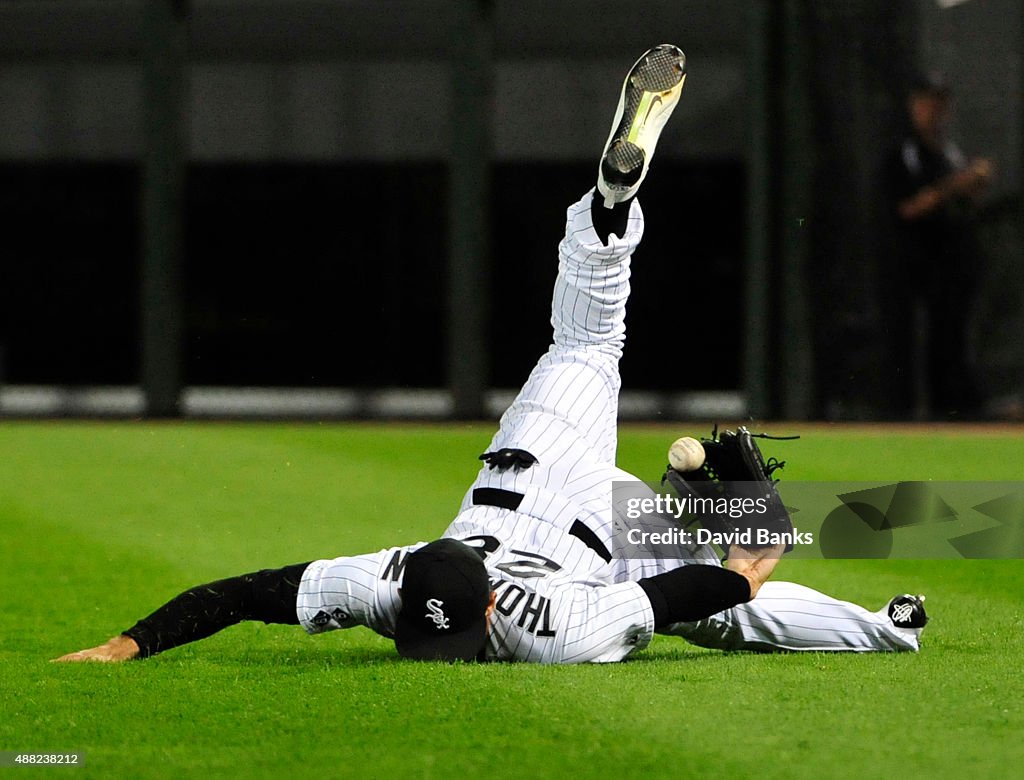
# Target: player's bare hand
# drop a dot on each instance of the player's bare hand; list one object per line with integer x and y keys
{"x": 756, "y": 565}
{"x": 120, "y": 648}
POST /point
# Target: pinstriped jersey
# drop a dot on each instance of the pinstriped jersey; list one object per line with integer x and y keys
{"x": 556, "y": 601}
{"x": 554, "y": 605}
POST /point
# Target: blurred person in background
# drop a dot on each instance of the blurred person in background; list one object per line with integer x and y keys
{"x": 930, "y": 278}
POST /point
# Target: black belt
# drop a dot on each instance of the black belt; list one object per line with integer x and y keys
{"x": 509, "y": 499}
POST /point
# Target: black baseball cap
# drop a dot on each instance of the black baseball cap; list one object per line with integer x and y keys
{"x": 445, "y": 593}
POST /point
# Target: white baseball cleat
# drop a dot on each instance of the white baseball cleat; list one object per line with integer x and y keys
{"x": 649, "y": 95}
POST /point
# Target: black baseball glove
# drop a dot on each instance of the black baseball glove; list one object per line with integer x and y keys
{"x": 734, "y": 494}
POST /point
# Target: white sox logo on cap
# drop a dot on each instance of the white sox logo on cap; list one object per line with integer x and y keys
{"x": 436, "y": 614}
{"x": 445, "y": 591}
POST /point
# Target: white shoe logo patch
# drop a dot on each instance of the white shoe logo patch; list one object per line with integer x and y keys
{"x": 435, "y": 613}
{"x": 901, "y": 613}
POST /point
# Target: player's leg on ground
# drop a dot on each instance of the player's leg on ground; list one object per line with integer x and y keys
{"x": 787, "y": 616}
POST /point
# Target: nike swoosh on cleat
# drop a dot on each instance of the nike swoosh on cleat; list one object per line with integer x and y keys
{"x": 656, "y": 101}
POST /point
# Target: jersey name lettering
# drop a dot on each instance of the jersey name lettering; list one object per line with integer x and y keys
{"x": 536, "y": 609}
{"x": 395, "y": 566}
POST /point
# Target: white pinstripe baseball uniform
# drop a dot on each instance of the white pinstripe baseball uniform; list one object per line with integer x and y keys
{"x": 561, "y": 598}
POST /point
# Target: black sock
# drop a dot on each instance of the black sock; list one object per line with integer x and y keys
{"x": 608, "y": 221}
{"x": 693, "y": 592}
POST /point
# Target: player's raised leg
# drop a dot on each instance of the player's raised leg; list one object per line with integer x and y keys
{"x": 577, "y": 381}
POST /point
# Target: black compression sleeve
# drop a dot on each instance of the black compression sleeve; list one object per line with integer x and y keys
{"x": 269, "y": 595}
{"x": 608, "y": 221}
{"x": 693, "y": 592}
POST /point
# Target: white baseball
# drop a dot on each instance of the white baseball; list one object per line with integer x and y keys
{"x": 686, "y": 454}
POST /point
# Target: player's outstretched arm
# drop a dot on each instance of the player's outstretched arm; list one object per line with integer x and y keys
{"x": 269, "y": 595}
{"x": 697, "y": 591}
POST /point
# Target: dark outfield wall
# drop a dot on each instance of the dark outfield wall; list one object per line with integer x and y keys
{"x": 289, "y": 281}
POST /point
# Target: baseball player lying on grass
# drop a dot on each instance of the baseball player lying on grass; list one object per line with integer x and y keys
{"x": 525, "y": 572}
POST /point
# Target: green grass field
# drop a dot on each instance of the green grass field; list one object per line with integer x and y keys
{"x": 103, "y": 522}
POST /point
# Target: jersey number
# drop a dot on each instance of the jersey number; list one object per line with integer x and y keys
{"x": 529, "y": 566}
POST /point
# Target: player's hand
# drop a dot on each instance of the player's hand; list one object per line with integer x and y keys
{"x": 120, "y": 648}
{"x": 756, "y": 565}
